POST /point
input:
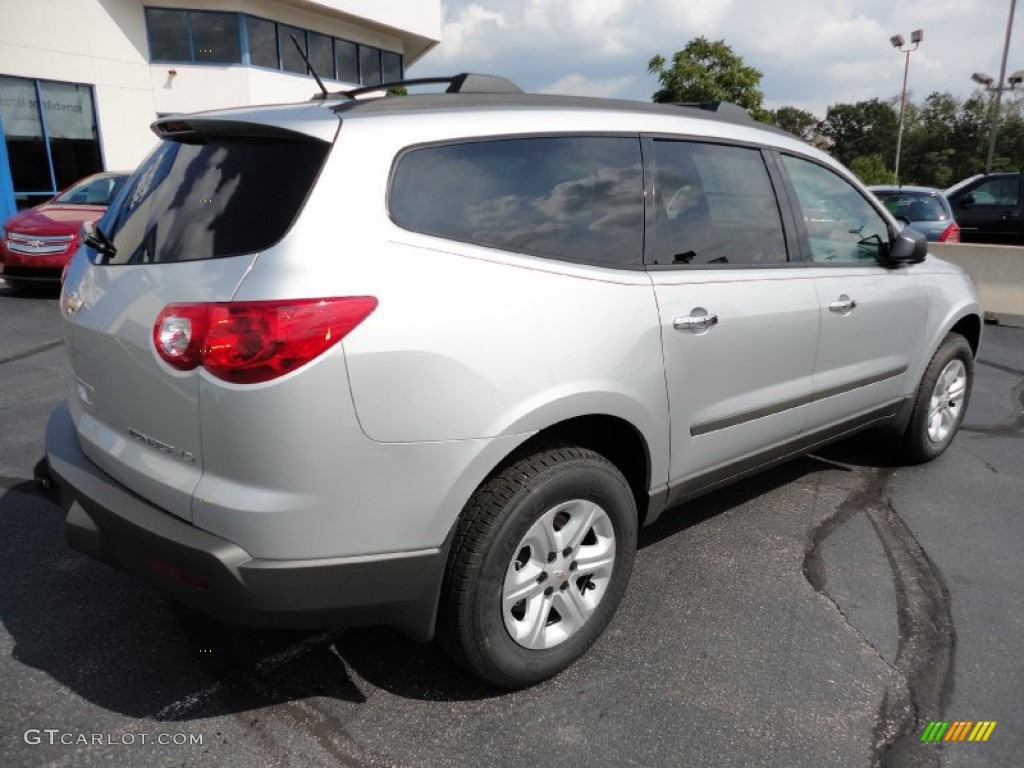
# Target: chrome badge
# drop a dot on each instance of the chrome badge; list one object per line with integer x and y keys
{"x": 163, "y": 447}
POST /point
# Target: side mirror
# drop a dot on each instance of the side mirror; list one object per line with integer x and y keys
{"x": 966, "y": 200}
{"x": 909, "y": 247}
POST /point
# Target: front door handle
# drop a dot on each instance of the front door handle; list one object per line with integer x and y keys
{"x": 699, "y": 321}
{"x": 843, "y": 305}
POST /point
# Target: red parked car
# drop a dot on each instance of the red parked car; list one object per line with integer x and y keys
{"x": 35, "y": 244}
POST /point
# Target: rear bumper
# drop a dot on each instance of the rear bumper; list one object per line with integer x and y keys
{"x": 214, "y": 576}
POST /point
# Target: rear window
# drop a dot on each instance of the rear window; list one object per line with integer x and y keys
{"x": 574, "y": 198}
{"x": 913, "y": 207}
{"x": 213, "y": 198}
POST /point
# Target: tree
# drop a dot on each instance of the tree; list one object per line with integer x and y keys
{"x": 872, "y": 169}
{"x": 799, "y": 122}
{"x": 861, "y": 129}
{"x": 707, "y": 70}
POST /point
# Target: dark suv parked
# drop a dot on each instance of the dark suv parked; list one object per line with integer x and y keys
{"x": 990, "y": 208}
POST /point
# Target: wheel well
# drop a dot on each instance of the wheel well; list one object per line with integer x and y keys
{"x": 969, "y": 327}
{"x": 614, "y": 438}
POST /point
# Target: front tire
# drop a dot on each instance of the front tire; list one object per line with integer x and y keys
{"x": 539, "y": 564}
{"x": 941, "y": 400}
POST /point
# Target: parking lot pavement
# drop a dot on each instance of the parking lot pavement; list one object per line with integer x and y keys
{"x": 817, "y": 615}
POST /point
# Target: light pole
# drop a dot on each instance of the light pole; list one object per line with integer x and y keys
{"x": 1013, "y": 81}
{"x": 897, "y": 42}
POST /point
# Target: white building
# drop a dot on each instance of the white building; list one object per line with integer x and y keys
{"x": 81, "y": 80}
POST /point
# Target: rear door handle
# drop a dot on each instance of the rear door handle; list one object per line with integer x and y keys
{"x": 843, "y": 305}
{"x": 699, "y": 320}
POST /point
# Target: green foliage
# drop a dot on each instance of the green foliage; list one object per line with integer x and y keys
{"x": 945, "y": 137}
{"x": 707, "y": 70}
{"x": 872, "y": 169}
{"x": 860, "y": 130}
{"x": 799, "y": 122}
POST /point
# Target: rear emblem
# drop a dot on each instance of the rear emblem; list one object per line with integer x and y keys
{"x": 163, "y": 447}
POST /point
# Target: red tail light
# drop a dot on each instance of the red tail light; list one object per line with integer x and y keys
{"x": 254, "y": 341}
{"x": 950, "y": 234}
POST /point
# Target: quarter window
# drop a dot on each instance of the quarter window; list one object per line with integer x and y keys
{"x": 714, "y": 204}
{"x": 262, "y": 42}
{"x": 842, "y": 226}
{"x": 346, "y": 60}
{"x": 215, "y": 37}
{"x": 168, "y": 35}
{"x": 291, "y": 59}
{"x": 577, "y": 199}
{"x": 369, "y": 65}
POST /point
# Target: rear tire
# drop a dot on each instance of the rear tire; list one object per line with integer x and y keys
{"x": 540, "y": 561}
{"x": 941, "y": 401}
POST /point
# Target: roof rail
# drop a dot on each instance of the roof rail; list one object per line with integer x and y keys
{"x": 464, "y": 82}
{"x": 724, "y": 108}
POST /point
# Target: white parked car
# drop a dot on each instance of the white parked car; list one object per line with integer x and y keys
{"x": 431, "y": 361}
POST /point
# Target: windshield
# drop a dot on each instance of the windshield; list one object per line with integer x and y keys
{"x": 221, "y": 196}
{"x": 96, "y": 190}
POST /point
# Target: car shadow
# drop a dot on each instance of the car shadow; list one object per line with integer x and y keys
{"x": 120, "y": 645}
{"x": 29, "y": 290}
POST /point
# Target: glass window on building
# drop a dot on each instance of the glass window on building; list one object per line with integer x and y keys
{"x": 262, "y": 42}
{"x": 346, "y": 61}
{"x": 369, "y": 64}
{"x": 51, "y": 136}
{"x": 168, "y": 35}
{"x": 391, "y": 63}
{"x": 291, "y": 59}
{"x": 71, "y": 127}
{"x": 321, "y": 55}
{"x": 215, "y": 37}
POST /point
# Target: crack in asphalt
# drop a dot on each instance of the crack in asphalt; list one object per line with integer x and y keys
{"x": 927, "y": 638}
{"x": 31, "y": 351}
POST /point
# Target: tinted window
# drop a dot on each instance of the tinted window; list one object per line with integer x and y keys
{"x": 369, "y": 65}
{"x": 714, "y": 205}
{"x": 215, "y": 37}
{"x": 321, "y": 56}
{"x": 578, "y": 199}
{"x": 291, "y": 60}
{"x": 262, "y": 42}
{"x": 913, "y": 206}
{"x": 168, "y": 35}
{"x": 346, "y": 60}
{"x": 391, "y": 63}
{"x": 218, "y": 198}
{"x": 996, "y": 192}
{"x": 841, "y": 224}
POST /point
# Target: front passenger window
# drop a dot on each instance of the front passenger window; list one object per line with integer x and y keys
{"x": 842, "y": 226}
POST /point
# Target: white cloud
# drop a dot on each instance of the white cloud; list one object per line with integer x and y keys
{"x": 465, "y": 35}
{"x": 579, "y": 85}
{"x": 812, "y": 52}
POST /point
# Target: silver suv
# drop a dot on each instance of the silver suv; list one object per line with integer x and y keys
{"x": 430, "y": 361}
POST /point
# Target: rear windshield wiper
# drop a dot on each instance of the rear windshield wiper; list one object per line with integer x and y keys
{"x": 96, "y": 239}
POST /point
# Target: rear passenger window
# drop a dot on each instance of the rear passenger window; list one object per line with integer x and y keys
{"x": 714, "y": 204}
{"x": 571, "y": 198}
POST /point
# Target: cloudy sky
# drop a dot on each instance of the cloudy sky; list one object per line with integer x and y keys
{"x": 812, "y": 52}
